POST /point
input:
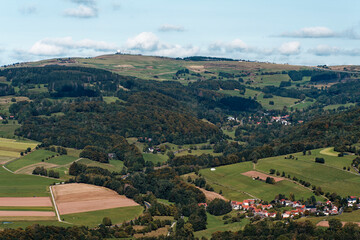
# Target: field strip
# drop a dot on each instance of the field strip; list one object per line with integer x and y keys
{"x": 56, "y": 209}
{"x": 26, "y": 214}
{"x": 25, "y": 202}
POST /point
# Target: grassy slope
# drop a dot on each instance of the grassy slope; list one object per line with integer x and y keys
{"x": 18, "y": 185}
{"x": 31, "y": 158}
{"x": 93, "y": 219}
{"x": 114, "y": 165}
{"x": 233, "y": 184}
{"x": 155, "y": 158}
{"x": 279, "y": 102}
{"x": 215, "y": 223}
{"x": 329, "y": 176}
{"x": 23, "y": 224}
{"x": 62, "y": 160}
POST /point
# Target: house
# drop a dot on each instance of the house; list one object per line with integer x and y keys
{"x": 111, "y": 155}
{"x": 286, "y": 214}
{"x": 203, "y": 204}
{"x": 351, "y": 201}
{"x": 236, "y": 205}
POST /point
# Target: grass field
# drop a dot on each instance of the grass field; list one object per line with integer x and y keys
{"x": 18, "y": 185}
{"x": 329, "y": 176}
{"x": 155, "y": 158}
{"x": 62, "y": 160}
{"x": 93, "y": 219}
{"x": 113, "y": 165}
{"x": 270, "y": 80}
{"x": 215, "y": 223}
{"x": 336, "y": 106}
{"x": 31, "y": 158}
{"x": 7, "y": 130}
{"x": 14, "y": 223}
{"x": 26, "y": 208}
{"x": 235, "y": 186}
{"x": 12, "y": 147}
{"x": 354, "y": 216}
{"x": 279, "y": 102}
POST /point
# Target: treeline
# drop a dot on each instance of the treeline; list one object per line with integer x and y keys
{"x": 292, "y": 230}
{"x": 218, "y": 84}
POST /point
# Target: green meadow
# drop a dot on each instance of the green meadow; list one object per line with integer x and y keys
{"x": 93, "y": 219}
{"x": 31, "y": 158}
{"x": 215, "y": 223}
{"x": 329, "y": 176}
{"x": 19, "y": 185}
{"x": 236, "y": 186}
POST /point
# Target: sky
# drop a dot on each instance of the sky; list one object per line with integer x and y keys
{"x": 281, "y": 31}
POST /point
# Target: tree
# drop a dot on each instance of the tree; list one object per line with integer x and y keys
{"x": 107, "y": 221}
{"x": 270, "y": 180}
{"x": 320, "y": 160}
{"x": 335, "y": 224}
{"x": 219, "y": 207}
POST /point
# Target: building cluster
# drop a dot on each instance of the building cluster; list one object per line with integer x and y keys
{"x": 298, "y": 209}
{"x": 282, "y": 119}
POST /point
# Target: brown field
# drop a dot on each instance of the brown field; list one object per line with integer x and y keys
{"x": 79, "y": 197}
{"x": 262, "y": 176}
{"x": 26, "y": 214}
{"x": 326, "y": 223}
{"x": 25, "y": 202}
{"x": 211, "y": 195}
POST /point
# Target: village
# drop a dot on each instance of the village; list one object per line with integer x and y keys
{"x": 298, "y": 209}
{"x": 292, "y": 209}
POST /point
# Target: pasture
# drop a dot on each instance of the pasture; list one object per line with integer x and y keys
{"x": 29, "y": 159}
{"x": 279, "y": 102}
{"x": 329, "y": 176}
{"x": 236, "y": 186}
{"x": 215, "y": 223}
{"x": 19, "y": 185}
{"x": 94, "y": 218}
{"x": 12, "y": 147}
{"x": 112, "y": 166}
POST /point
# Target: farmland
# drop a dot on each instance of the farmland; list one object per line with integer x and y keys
{"x": 29, "y": 159}
{"x": 94, "y": 218}
{"x": 215, "y": 223}
{"x": 329, "y": 176}
{"x": 236, "y": 186}
{"x": 19, "y": 185}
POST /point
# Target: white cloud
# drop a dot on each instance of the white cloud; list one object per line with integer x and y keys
{"x": 28, "y": 10}
{"x": 311, "y": 32}
{"x": 325, "y": 50}
{"x": 289, "y": 48}
{"x": 171, "y": 28}
{"x": 236, "y": 45}
{"x": 148, "y": 42}
{"x": 85, "y": 2}
{"x": 82, "y": 11}
{"x": 62, "y": 46}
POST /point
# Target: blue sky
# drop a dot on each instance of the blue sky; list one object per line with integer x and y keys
{"x": 281, "y": 31}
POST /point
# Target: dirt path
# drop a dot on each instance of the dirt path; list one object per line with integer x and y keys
{"x": 29, "y": 169}
{"x": 211, "y": 195}
{"x": 327, "y": 151}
